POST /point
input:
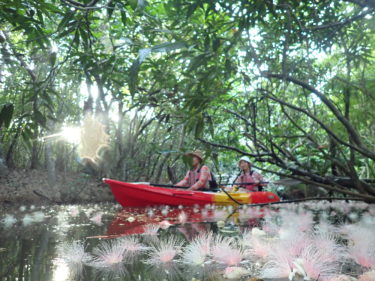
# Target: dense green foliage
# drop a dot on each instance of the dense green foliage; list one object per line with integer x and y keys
{"x": 290, "y": 83}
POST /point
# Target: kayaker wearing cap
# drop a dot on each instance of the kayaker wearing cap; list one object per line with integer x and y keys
{"x": 199, "y": 176}
{"x": 248, "y": 176}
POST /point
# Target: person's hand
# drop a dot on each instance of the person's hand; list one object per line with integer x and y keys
{"x": 228, "y": 189}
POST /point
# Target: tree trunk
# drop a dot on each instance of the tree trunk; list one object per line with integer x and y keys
{"x": 50, "y": 163}
{"x": 34, "y": 155}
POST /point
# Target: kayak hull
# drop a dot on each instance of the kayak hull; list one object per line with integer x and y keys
{"x": 142, "y": 195}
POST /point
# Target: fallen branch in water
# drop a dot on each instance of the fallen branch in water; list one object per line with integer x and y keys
{"x": 293, "y": 201}
{"x": 42, "y": 195}
{"x": 306, "y": 199}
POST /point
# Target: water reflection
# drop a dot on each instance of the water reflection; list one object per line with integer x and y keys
{"x": 104, "y": 242}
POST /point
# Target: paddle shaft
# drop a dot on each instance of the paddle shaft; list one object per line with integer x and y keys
{"x": 186, "y": 187}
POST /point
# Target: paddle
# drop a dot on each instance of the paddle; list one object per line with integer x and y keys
{"x": 174, "y": 186}
{"x": 187, "y": 187}
{"x": 287, "y": 182}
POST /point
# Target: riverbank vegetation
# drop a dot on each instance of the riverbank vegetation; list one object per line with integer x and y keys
{"x": 289, "y": 83}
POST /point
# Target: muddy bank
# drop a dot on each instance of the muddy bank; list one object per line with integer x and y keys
{"x": 31, "y": 186}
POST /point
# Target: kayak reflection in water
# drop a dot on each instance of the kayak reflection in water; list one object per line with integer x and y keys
{"x": 248, "y": 180}
{"x": 199, "y": 177}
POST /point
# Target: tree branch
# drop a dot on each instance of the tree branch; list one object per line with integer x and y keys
{"x": 362, "y": 3}
{"x": 79, "y": 5}
{"x": 351, "y": 131}
{"x": 325, "y": 186}
{"x": 300, "y": 175}
{"x": 341, "y": 23}
{"x": 234, "y": 149}
{"x": 19, "y": 57}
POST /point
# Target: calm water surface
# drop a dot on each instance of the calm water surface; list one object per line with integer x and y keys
{"x": 32, "y": 239}
{"x": 35, "y": 242}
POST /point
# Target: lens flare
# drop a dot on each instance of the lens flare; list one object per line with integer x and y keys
{"x": 71, "y": 134}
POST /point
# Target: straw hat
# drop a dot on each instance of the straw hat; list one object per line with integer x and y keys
{"x": 245, "y": 158}
{"x": 196, "y": 153}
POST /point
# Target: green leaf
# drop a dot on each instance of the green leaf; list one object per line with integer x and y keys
{"x": 133, "y": 76}
{"x": 123, "y": 17}
{"x": 199, "y": 128}
{"x": 143, "y": 54}
{"x": 210, "y": 126}
{"x": 52, "y": 58}
{"x": 191, "y": 9}
{"x": 188, "y": 161}
{"x": 27, "y": 136}
{"x": 215, "y": 44}
{"x": 40, "y": 118}
{"x": 6, "y": 115}
{"x": 84, "y": 36}
{"x": 141, "y": 5}
{"x": 66, "y": 32}
{"x": 110, "y": 8}
{"x": 63, "y": 23}
{"x": 76, "y": 39}
{"x": 167, "y": 47}
{"x": 197, "y": 61}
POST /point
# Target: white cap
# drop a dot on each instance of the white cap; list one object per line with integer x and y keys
{"x": 245, "y": 158}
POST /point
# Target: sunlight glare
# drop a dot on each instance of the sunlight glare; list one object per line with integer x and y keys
{"x": 61, "y": 272}
{"x": 72, "y": 134}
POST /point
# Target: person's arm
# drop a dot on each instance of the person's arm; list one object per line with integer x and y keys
{"x": 257, "y": 177}
{"x": 238, "y": 182}
{"x": 203, "y": 178}
{"x": 184, "y": 181}
{"x": 238, "y": 179}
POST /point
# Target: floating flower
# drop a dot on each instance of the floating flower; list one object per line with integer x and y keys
{"x": 235, "y": 272}
{"x": 165, "y": 211}
{"x": 74, "y": 211}
{"x": 182, "y": 217}
{"x": 97, "y": 219}
{"x": 108, "y": 253}
{"x": 74, "y": 256}
{"x": 27, "y": 220}
{"x": 259, "y": 247}
{"x": 164, "y": 224}
{"x": 367, "y": 276}
{"x": 343, "y": 277}
{"x": 197, "y": 252}
{"x": 151, "y": 229}
{"x": 164, "y": 251}
{"x": 38, "y": 216}
{"x": 224, "y": 251}
{"x": 130, "y": 219}
{"x": 219, "y": 214}
{"x": 257, "y": 232}
{"x": 362, "y": 244}
{"x": 279, "y": 265}
{"x": 132, "y": 246}
{"x": 316, "y": 264}
{"x": 327, "y": 241}
{"x": 8, "y": 221}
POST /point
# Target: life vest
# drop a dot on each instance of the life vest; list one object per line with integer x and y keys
{"x": 246, "y": 178}
{"x": 194, "y": 176}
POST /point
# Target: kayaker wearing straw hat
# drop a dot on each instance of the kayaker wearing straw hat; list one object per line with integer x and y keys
{"x": 199, "y": 176}
{"x": 248, "y": 179}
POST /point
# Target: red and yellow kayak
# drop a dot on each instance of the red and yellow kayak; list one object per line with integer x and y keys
{"x": 142, "y": 195}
